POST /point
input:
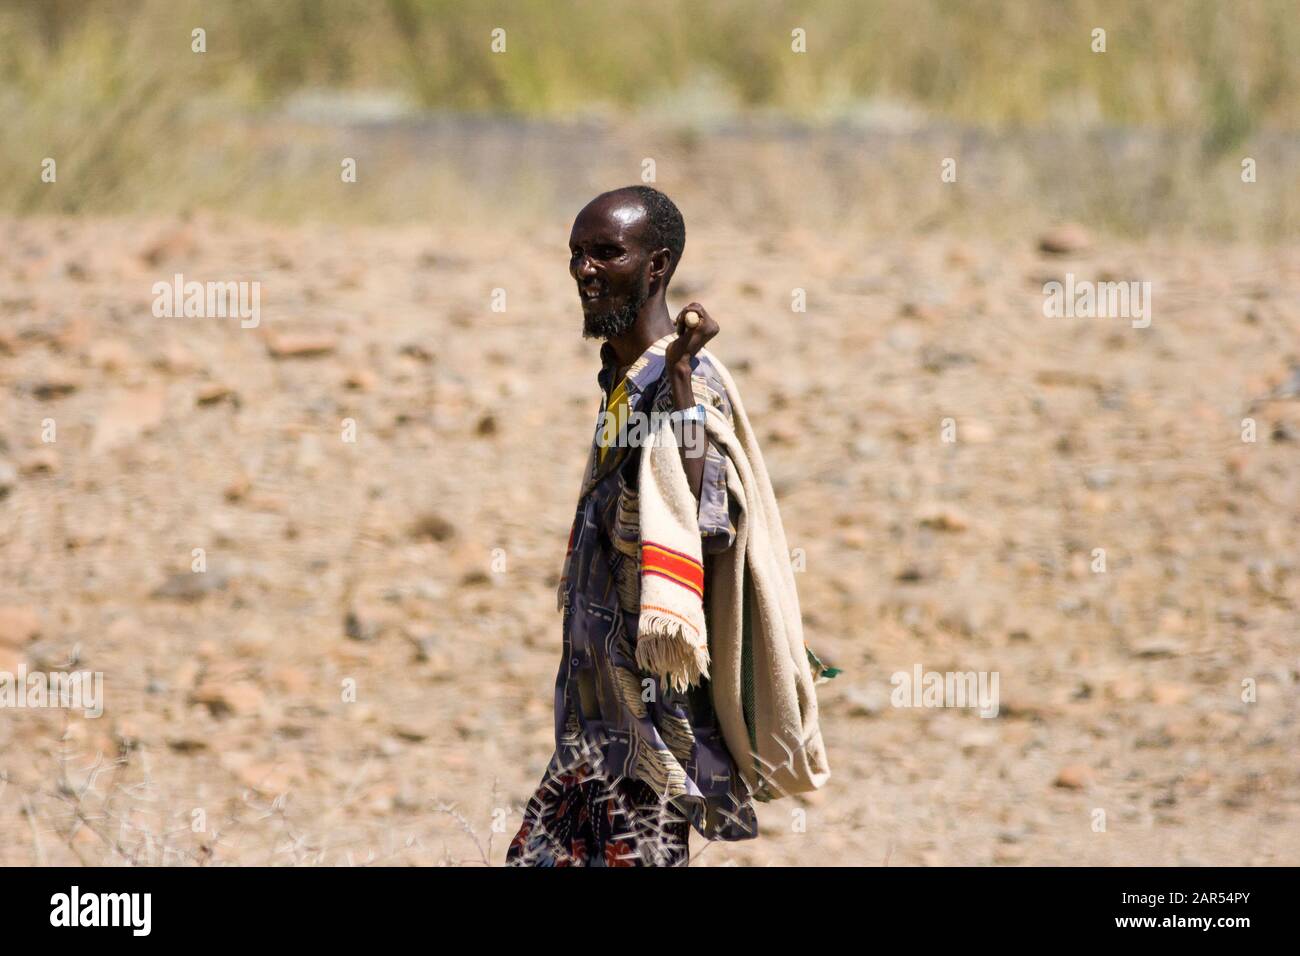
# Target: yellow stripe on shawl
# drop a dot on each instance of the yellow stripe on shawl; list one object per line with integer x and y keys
{"x": 617, "y": 411}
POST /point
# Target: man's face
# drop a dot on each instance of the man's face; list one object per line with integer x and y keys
{"x": 610, "y": 263}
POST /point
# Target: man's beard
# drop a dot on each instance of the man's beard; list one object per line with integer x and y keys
{"x": 609, "y": 325}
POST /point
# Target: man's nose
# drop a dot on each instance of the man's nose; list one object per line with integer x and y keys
{"x": 583, "y": 267}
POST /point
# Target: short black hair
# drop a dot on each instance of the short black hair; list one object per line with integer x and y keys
{"x": 666, "y": 228}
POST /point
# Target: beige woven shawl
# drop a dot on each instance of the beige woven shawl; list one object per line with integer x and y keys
{"x": 745, "y": 633}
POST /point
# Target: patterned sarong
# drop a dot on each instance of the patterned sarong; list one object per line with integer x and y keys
{"x": 581, "y": 818}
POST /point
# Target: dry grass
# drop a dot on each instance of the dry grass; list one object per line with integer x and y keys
{"x": 1147, "y": 136}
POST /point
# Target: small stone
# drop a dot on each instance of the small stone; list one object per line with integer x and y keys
{"x": 359, "y": 380}
{"x": 1066, "y": 239}
{"x": 237, "y": 697}
{"x": 865, "y": 449}
{"x": 425, "y": 646}
{"x": 782, "y": 435}
{"x": 433, "y": 526}
{"x": 366, "y": 622}
{"x": 212, "y": 393}
{"x": 943, "y": 518}
{"x": 409, "y": 732}
{"x": 19, "y": 624}
{"x": 190, "y": 586}
{"x": 301, "y": 346}
{"x": 112, "y": 355}
{"x": 975, "y": 432}
{"x": 171, "y": 244}
{"x": 291, "y": 680}
{"x": 42, "y": 461}
{"x": 1124, "y": 689}
{"x": 922, "y": 311}
{"x": 127, "y": 416}
{"x": 1156, "y": 647}
{"x": 853, "y": 538}
{"x": 73, "y": 336}
{"x": 1074, "y": 777}
{"x": 1098, "y": 479}
{"x": 935, "y": 359}
{"x": 1008, "y": 854}
{"x": 55, "y": 386}
{"x": 980, "y": 738}
{"x": 185, "y": 675}
{"x": 176, "y": 359}
{"x": 1171, "y": 621}
{"x": 866, "y": 701}
{"x": 1155, "y": 738}
{"x": 416, "y": 351}
{"x": 8, "y": 479}
{"x": 237, "y": 489}
{"x": 129, "y": 731}
{"x": 1170, "y": 695}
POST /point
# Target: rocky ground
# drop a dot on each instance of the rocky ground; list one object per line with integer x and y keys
{"x": 364, "y": 670}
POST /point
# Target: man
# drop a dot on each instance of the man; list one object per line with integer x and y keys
{"x": 639, "y": 758}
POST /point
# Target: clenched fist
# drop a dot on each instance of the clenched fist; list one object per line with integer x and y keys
{"x": 691, "y": 337}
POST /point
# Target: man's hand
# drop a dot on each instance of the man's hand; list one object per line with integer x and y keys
{"x": 689, "y": 341}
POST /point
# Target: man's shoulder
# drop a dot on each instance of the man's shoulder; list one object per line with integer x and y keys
{"x": 711, "y": 376}
{"x": 709, "y": 367}
{"x": 710, "y": 381}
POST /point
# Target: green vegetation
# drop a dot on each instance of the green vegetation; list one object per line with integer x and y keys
{"x": 1177, "y": 63}
{"x": 114, "y": 82}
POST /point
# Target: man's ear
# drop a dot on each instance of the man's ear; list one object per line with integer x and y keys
{"x": 661, "y": 265}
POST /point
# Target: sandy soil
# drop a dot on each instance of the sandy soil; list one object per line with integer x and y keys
{"x": 330, "y": 564}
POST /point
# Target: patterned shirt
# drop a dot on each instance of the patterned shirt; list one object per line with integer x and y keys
{"x": 608, "y": 713}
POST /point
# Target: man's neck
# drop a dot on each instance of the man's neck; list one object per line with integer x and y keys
{"x": 652, "y": 323}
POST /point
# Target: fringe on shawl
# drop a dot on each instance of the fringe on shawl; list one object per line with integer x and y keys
{"x": 664, "y": 647}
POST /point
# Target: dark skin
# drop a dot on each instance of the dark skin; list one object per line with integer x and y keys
{"x": 611, "y": 259}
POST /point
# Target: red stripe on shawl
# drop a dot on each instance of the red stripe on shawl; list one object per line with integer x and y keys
{"x": 674, "y": 566}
